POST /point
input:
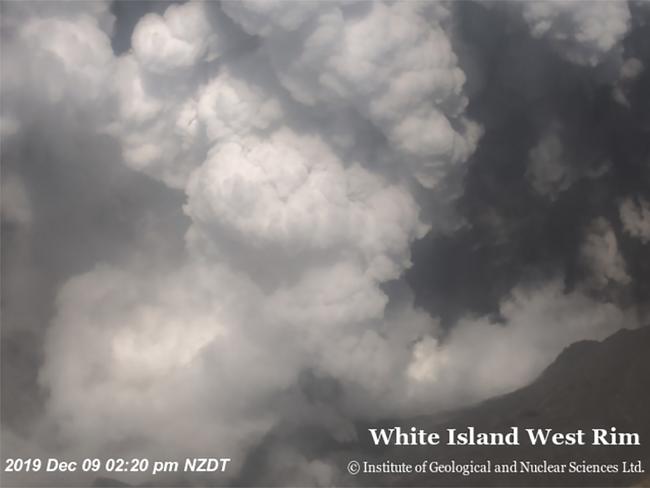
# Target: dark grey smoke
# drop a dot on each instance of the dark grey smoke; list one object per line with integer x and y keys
{"x": 515, "y": 234}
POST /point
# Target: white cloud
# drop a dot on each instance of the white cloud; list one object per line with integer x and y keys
{"x": 75, "y": 53}
{"x": 394, "y": 64}
{"x": 177, "y": 358}
{"x": 231, "y": 107}
{"x": 169, "y": 362}
{"x": 260, "y": 17}
{"x": 206, "y": 345}
{"x": 16, "y": 13}
{"x": 179, "y": 39}
{"x": 210, "y": 341}
{"x": 584, "y": 32}
{"x": 293, "y": 194}
{"x": 159, "y": 131}
{"x": 479, "y": 359}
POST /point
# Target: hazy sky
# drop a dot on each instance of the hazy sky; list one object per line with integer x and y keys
{"x": 221, "y": 221}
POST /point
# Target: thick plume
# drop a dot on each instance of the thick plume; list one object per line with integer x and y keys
{"x": 303, "y": 136}
{"x": 176, "y": 41}
{"x": 322, "y": 225}
{"x": 187, "y": 348}
{"x": 71, "y": 46}
{"x": 394, "y": 63}
{"x": 309, "y": 208}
